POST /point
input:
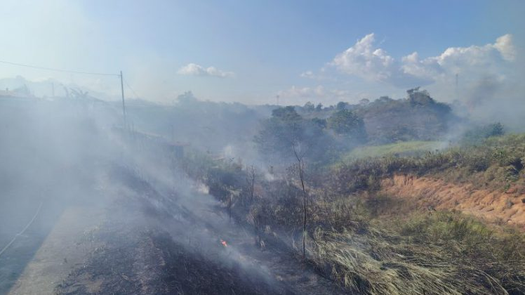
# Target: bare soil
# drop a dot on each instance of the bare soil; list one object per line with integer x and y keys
{"x": 431, "y": 193}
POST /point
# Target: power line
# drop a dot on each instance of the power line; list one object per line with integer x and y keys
{"x": 83, "y": 73}
{"x": 24, "y": 230}
{"x": 56, "y": 70}
{"x": 133, "y": 91}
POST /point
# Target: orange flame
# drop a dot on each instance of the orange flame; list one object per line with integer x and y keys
{"x": 223, "y": 242}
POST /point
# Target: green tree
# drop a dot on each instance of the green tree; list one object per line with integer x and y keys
{"x": 345, "y": 122}
{"x": 287, "y": 138}
{"x": 319, "y": 122}
{"x": 341, "y": 106}
{"x": 478, "y": 134}
{"x": 309, "y": 107}
{"x": 287, "y": 133}
{"x": 286, "y": 114}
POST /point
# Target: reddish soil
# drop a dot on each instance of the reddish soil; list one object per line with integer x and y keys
{"x": 431, "y": 193}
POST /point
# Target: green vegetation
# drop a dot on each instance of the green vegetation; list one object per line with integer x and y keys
{"x": 345, "y": 122}
{"x": 478, "y": 134}
{"x": 286, "y": 136}
{"x": 419, "y": 117}
{"x": 495, "y": 164}
{"x": 324, "y": 135}
{"x": 405, "y": 148}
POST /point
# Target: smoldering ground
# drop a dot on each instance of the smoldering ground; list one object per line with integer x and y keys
{"x": 67, "y": 154}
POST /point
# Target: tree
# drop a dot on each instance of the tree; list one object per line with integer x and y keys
{"x": 384, "y": 99}
{"x": 419, "y": 97}
{"x": 291, "y": 138}
{"x": 286, "y": 114}
{"x": 364, "y": 102}
{"x": 309, "y": 107}
{"x": 345, "y": 122}
{"x": 477, "y": 134}
{"x": 319, "y": 107}
{"x": 286, "y": 132}
{"x": 251, "y": 183}
{"x": 341, "y": 106}
{"x": 279, "y": 134}
{"x": 300, "y": 167}
{"x": 319, "y": 122}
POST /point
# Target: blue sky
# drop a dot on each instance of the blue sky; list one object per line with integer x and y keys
{"x": 251, "y": 51}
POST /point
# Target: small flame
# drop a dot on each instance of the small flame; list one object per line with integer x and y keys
{"x": 223, "y": 242}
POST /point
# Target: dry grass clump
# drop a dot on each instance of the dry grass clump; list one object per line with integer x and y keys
{"x": 442, "y": 253}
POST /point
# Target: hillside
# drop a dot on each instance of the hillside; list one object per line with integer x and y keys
{"x": 448, "y": 221}
{"x": 312, "y": 206}
{"x": 428, "y": 193}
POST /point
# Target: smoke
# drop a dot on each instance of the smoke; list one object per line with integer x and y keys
{"x": 492, "y": 98}
{"x": 75, "y": 152}
{"x": 66, "y": 153}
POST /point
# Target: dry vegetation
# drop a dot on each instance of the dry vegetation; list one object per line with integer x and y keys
{"x": 496, "y": 163}
{"x": 359, "y": 238}
{"x": 433, "y": 254}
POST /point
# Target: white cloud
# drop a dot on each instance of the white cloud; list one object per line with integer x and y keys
{"x": 192, "y": 69}
{"x": 319, "y": 76}
{"x": 366, "y": 61}
{"x": 308, "y": 74}
{"x": 373, "y": 64}
{"x": 489, "y": 59}
{"x": 314, "y": 76}
{"x": 506, "y": 47}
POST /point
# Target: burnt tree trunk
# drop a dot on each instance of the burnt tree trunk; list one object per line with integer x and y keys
{"x": 300, "y": 164}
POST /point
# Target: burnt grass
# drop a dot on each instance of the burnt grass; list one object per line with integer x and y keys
{"x": 147, "y": 261}
{"x": 138, "y": 257}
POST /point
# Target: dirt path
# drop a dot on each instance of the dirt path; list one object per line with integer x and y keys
{"x": 426, "y": 192}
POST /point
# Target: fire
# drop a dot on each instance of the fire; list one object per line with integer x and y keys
{"x": 223, "y": 242}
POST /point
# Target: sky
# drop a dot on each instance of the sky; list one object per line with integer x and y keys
{"x": 259, "y": 52}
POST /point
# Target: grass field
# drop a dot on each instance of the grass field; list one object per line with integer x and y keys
{"x": 400, "y": 148}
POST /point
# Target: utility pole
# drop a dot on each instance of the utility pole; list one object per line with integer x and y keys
{"x": 123, "y": 102}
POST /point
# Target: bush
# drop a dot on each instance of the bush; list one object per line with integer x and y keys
{"x": 478, "y": 134}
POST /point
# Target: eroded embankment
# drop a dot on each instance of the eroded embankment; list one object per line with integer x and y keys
{"x": 433, "y": 193}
